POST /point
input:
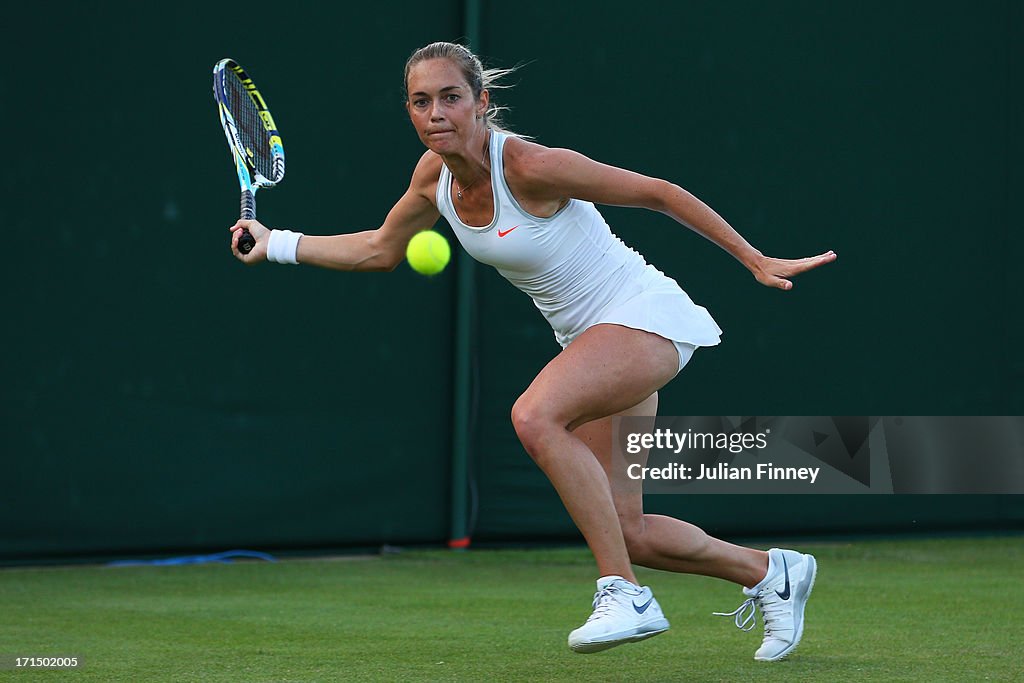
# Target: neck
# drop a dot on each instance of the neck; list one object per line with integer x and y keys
{"x": 473, "y": 163}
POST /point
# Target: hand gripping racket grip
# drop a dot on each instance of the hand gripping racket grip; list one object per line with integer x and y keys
{"x": 246, "y": 242}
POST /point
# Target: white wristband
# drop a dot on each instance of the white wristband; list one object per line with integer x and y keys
{"x": 283, "y": 246}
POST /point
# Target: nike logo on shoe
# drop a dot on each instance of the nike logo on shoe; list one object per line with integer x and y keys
{"x": 502, "y": 234}
{"x": 640, "y": 609}
{"x": 785, "y": 593}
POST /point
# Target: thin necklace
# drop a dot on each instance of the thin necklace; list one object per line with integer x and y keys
{"x": 458, "y": 189}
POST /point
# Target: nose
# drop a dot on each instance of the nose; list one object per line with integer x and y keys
{"x": 435, "y": 111}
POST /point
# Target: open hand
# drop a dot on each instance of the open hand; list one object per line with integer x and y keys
{"x": 774, "y": 272}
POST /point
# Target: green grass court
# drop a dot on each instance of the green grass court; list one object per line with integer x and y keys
{"x": 894, "y": 610}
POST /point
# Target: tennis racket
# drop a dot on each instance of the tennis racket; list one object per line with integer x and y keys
{"x": 252, "y": 136}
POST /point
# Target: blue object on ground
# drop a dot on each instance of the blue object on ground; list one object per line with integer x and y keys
{"x": 225, "y": 557}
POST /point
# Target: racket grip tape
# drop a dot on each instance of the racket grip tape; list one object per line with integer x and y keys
{"x": 246, "y": 242}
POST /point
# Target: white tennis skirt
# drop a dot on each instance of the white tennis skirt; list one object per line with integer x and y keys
{"x": 656, "y": 303}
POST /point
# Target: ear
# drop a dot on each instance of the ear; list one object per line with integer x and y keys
{"x": 483, "y": 103}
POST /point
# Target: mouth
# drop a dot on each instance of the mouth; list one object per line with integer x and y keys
{"x": 438, "y": 132}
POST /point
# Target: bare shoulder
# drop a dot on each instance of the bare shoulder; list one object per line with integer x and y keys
{"x": 522, "y": 158}
{"x": 529, "y": 167}
{"x": 531, "y": 173}
{"x": 553, "y": 173}
{"x": 426, "y": 174}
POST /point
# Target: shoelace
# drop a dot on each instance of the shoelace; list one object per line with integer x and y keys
{"x": 745, "y": 616}
{"x": 771, "y": 611}
{"x": 603, "y": 600}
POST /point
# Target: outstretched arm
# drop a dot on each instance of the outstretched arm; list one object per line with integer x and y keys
{"x": 561, "y": 173}
{"x": 369, "y": 250}
{"x": 687, "y": 209}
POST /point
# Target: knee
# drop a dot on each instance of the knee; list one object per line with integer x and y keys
{"x": 531, "y": 425}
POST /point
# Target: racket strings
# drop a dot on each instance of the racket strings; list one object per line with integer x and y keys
{"x": 254, "y": 135}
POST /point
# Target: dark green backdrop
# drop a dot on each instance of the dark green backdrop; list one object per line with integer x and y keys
{"x": 159, "y": 397}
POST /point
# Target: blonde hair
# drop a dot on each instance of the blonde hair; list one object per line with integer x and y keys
{"x": 478, "y": 78}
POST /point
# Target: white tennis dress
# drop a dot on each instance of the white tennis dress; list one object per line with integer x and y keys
{"x": 577, "y": 272}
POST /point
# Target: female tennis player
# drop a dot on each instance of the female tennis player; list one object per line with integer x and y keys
{"x": 625, "y": 330}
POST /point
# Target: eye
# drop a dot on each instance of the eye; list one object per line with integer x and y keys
{"x": 452, "y": 98}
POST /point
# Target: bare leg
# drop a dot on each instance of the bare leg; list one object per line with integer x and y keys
{"x": 662, "y": 542}
{"x": 597, "y": 375}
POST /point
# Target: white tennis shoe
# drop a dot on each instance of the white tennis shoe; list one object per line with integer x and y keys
{"x": 781, "y": 596}
{"x": 623, "y": 613}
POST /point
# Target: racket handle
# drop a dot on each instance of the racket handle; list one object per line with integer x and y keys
{"x": 246, "y": 242}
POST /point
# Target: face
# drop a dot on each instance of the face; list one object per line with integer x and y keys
{"x": 441, "y": 106}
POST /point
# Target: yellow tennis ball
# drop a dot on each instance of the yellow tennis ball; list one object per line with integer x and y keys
{"x": 428, "y": 252}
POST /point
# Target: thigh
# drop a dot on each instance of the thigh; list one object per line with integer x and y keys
{"x": 606, "y": 370}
